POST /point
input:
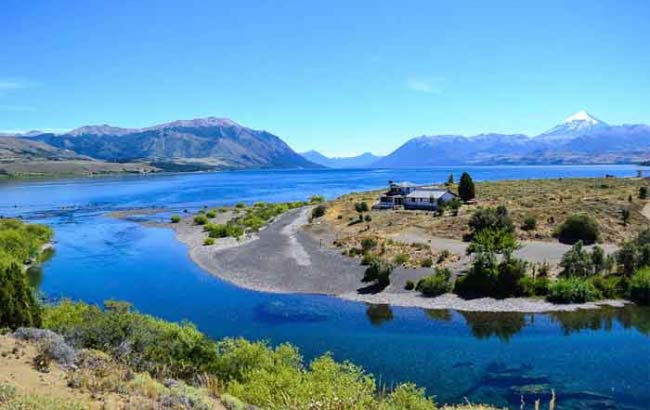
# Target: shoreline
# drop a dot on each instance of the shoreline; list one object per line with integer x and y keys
{"x": 284, "y": 258}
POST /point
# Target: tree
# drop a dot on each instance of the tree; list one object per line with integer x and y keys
{"x": 20, "y": 308}
{"x": 598, "y": 259}
{"x": 361, "y": 207}
{"x": 490, "y": 240}
{"x": 466, "y": 189}
{"x": 577, "y": 262}
{"x": 643, "y": 192}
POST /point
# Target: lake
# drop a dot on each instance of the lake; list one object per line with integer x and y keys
{"x": 593, "y": 359}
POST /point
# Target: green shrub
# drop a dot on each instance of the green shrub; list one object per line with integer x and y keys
{"x": 175, "y": 219}
{"x": 577, "y": 262}
{"x": 400, "y": 258}
{"x": 208, "y": 241}
{"x": 573, "y": 290}
{"x": 361, "y": 207}
{"x": 378, "y": 272}
{"x": 530, "y": 224}
{"x": 318, "y": 211}
{"x": 611, "y": 286}
{"x": 211, "y": 214}
{"x": 491, "y": 218}
{"x": 443, "y": 255}
{"x": 200, "y": 219}
{"x": 367, "y": 218}
{"x": 481, "y": 278}
{"x": 409, "y": 397}
{"x": 534, "y": 286}
{"x": 368, "y": 244}
{"x": 643, "y": 192}
{"x": 240, "y": 205}
{"x": 409, "y": 285}
{"x": 426, "y": 263}
{"x": 436, "y": 284}
{"x": 640, "y": 286}
{"x": 316, "y": 199}
{"x": 578, "y": 227}
{"x": 511, "y": 272}
{"x": 367, "y": 259}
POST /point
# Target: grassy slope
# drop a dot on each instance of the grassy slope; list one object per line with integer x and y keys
{"x": 550, "y": 201}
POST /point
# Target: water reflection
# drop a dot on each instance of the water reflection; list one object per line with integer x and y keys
{"x": 379, "y": 314}
{"x": 504, "y": 325}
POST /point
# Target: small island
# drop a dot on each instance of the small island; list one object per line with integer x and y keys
{"x": 526, "y": 245}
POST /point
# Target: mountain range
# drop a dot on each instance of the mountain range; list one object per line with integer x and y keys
{"x": 364, "y": 160}
{"x": 205, "y": 143}
{"x": 218, "y": 143}
{"x": 580, "y": 139}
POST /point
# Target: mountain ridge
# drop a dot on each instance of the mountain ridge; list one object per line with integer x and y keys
{"x": 358, "y": 161}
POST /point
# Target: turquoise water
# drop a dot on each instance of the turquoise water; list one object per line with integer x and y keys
{"x": 594, "y": 360}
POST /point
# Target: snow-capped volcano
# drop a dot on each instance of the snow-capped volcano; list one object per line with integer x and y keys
{"x": 573, "y": 126}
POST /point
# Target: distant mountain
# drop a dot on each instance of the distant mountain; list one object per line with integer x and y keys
{"x": 205, "y": 143}
{"x": 24, "y": 157}
{"x": 360, "y": 161}
{"x": 580, "y": 139}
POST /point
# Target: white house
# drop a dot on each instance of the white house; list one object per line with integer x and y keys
{"x": 411, "y": 196}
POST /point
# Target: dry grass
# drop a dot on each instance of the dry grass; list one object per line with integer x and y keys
{"x": 549, "y": 201}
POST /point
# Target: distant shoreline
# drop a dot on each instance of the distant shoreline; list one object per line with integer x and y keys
{"x": 284, "y": 258}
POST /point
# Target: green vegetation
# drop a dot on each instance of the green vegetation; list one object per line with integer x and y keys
{"x": 211, "y": 214}
{"x": 316, "y": 199}
{"x": 208, "y": 241}
{"x": 466, "y": 189}
{"x": 640, "y": 286}
{"x": 200, "y": 219}
{"x": 573, "y": 290}
{"x": 578, "y": 227}
{"x": 378, "y": 272}
{"x": 643, "y": 192}
{"x": 175, "y": 219}
{"x": 247, "y": 373}
{"x": 530, "y": 224}
{"x": 20, "y": 244}
{"x": 409, "y": 285}
{"x": 491, "y": 218}
{"x": 435, "y": 284}
{"x": 318, "y": 211}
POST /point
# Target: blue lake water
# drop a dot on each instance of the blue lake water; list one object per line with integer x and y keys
{"x": 594, "y": 360}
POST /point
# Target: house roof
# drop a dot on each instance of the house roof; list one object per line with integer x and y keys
{"x": 404, "y": 184}
{"x": 427, "y": 193}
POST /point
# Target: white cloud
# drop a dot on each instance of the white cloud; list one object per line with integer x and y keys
{"x": 9, "y": 85}
{"x": 429, "y": 85}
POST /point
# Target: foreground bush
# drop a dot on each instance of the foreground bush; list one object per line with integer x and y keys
{"x": 267, "y": 377}
{"x": 640, "y": 287}
{"x": 573, "y": 290}
{"x": 579, "y": 227}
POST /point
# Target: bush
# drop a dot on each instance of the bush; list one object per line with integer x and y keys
{"x": 534, "y": 286}
{"x": 643, "y": 192}
{"x": 400, "y": 259}
{"x": 530, "y": 224}
{"x": 316, "y": 199}
{"x": 367, "y": 218}
{"x": 511, "y": 272}
{"x": 436, "y": 284}
{"x": 481, "y": 278}
{"x": 426, "y": 263}
{"x": 368, "y": 259}
{"x": 208, "y": 241}
{"x": 200, "y": 219}
{"x": 318, "y": 211}
{"x": 175, "y": 219}
{"x": 211, "y": 214}
{"x": 378, "y": 272}
{"x": 409, "y": 285}
{"x": 240, "y": 205}
{"x": 610, "y": 287}
{"x": 491, "y": 218}
{"x": 577, "y": 261}
{"x": 573, "y": 290}
{"x": 18, "y": 305}
{"x": 640, "y": 286}
{"x": 579, "y": 227}
{"x": 361, "y": 207}
{"x": 368, "y": 244}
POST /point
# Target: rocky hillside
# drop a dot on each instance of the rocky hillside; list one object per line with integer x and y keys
{"x": 207, "y": 143}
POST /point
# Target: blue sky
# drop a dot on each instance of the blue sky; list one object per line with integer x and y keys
{"x": 342, "y": 77}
